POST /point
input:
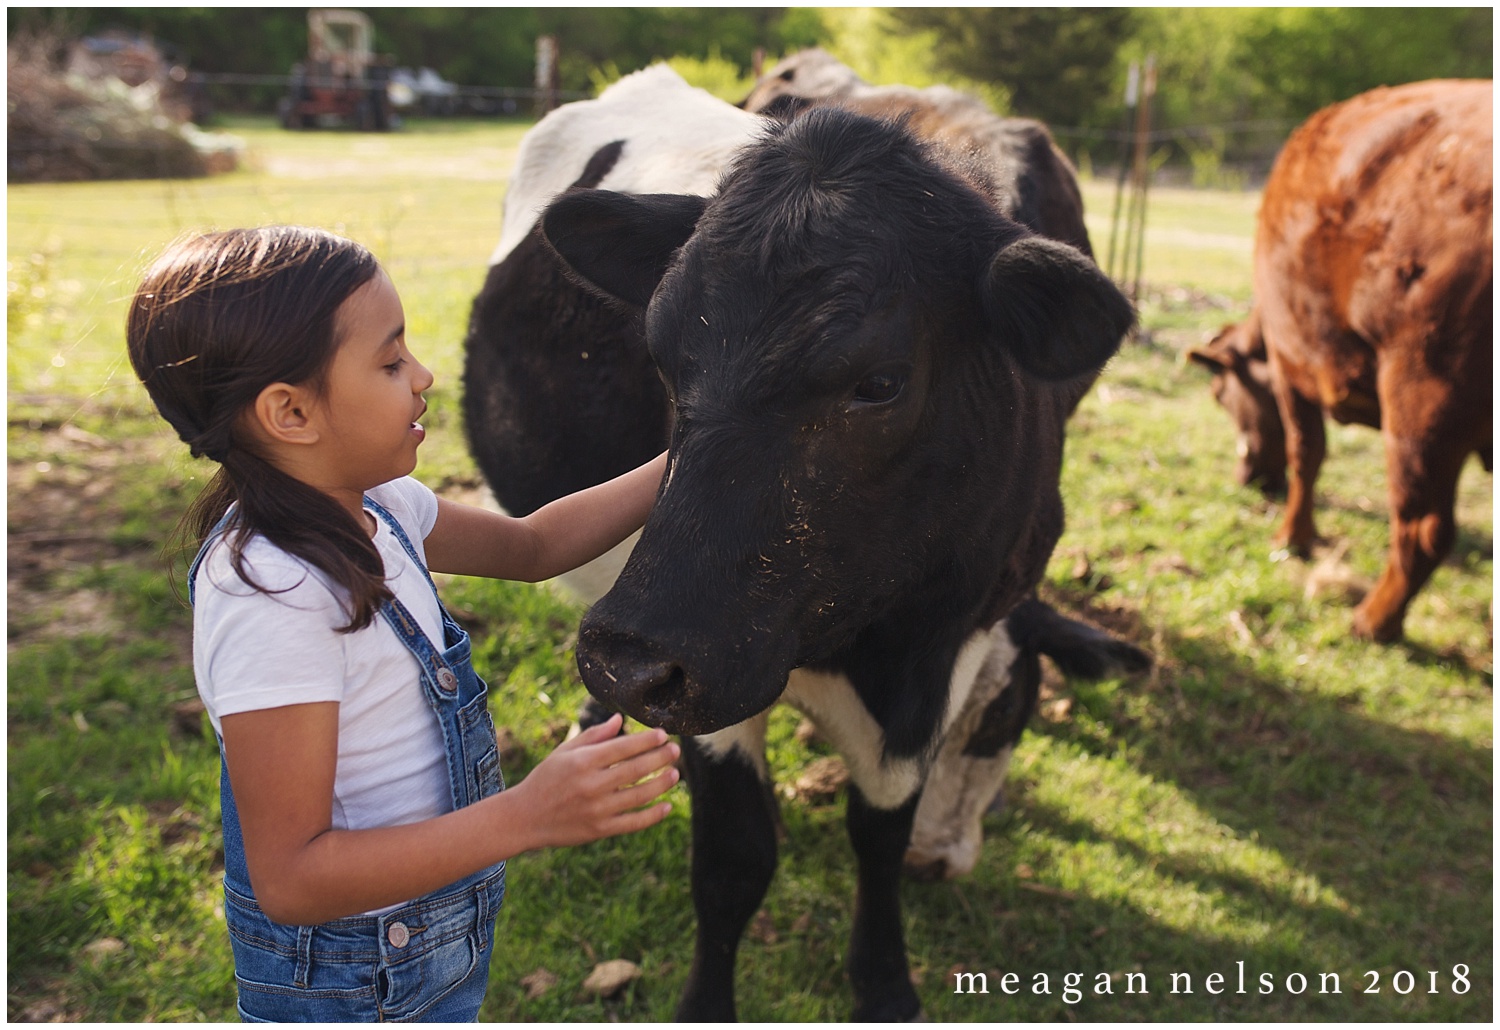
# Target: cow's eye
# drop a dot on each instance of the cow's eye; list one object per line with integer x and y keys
{"x": 879, "y": 388}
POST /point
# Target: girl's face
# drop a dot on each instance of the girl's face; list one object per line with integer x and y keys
{"x": 373, "y": 400}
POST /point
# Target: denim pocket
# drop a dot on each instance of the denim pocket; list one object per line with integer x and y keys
{"x": 444, "y": 983}
{"x": 426, "y": 961}
{"x": 481, "y": 754}
{"x": 289, "y": 974}
{"x": 437, "y": 952}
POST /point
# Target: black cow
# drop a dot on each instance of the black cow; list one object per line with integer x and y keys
{"x": 870, "y": 368}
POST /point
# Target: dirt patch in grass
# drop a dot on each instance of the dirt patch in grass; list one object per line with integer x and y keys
{"x": 61, "y": 523}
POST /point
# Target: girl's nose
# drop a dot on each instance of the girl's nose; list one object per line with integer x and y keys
{"x": 423, "y": 380}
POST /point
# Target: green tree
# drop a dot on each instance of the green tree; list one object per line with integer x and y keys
{"x": 467, "y": 45}
{"x": 1233, "y": 81}
{"x": 1308, "y": 58}
{"x": 1057, "y": 63}
{"x": 227, "y": 39}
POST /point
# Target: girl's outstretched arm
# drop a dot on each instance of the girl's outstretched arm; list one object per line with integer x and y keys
{"x": 281, "y": 767}
{"x": 554, "y": 539}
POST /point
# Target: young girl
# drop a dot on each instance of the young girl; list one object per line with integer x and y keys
{"x": 365, "y": 825}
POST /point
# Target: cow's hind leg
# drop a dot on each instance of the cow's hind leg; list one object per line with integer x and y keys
{"x": 969, "y": 770}
{"x": 1425, "y": 449}
{"x": 734, "y": 858}
{"x": 877, "y": 949}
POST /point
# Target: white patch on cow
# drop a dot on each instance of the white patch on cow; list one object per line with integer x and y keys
{"x": 678, "y": 139}
{"x": 972, "y": 658}
{"x": 747, "y": 738}
{"x": 829, "y": 700}
{"x": 946, "y": 834}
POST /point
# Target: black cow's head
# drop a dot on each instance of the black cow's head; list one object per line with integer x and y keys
{"x": 1242, "y": 386}
{"x": 870, "y": 369}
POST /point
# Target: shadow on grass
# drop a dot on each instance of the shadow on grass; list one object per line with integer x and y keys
{"x": 1393, "y": 822}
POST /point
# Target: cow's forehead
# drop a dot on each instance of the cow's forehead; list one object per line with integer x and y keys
{"x": 834, "y": 184}
{"x": 816, "y": 232}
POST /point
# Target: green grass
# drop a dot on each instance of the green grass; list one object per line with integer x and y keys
{"x": 1273, "y": 794}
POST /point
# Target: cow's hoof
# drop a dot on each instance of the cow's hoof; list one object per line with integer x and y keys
{"x": 1385, "y": 630}
{"x": 929, "y": 870}
{"x": 932, "y": 868}
{"x": 902, "y": 1009}
{"x": 928, "y": 861}
{"x": 1284, "y": 547}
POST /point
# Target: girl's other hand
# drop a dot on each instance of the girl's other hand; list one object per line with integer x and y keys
{"x": 595, "y": 785}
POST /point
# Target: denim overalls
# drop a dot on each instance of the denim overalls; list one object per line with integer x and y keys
{"x": 427, "y": 960}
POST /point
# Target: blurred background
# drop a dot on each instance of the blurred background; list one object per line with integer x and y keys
{"x": 1232, "y": 81}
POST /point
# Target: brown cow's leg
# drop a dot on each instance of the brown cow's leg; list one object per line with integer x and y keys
{"x": 1423, "y": 460}
{"x": 1306, "y": 445}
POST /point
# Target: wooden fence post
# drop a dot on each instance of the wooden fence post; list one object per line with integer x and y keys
{"x": 1140, "y": 87}
{"x": 1132, "y": 97}
{"x": 1142, "y": 171}
{"x": 547, "y": 75}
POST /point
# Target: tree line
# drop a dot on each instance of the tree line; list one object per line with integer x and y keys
{"x": 1063, "y": 65}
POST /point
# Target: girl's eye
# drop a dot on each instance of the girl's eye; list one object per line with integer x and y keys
{"x": 396, "y": 365}
{"x": 879, "y": 388}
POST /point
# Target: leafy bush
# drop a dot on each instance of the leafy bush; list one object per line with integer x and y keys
{"x": 63, "y": 128}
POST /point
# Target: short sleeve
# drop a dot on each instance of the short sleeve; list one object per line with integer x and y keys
{"x": 255, "y": 649}
{"x": 412, "y": 503}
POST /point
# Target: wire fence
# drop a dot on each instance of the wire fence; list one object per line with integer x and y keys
{"x": 1235, "y": 155}
{"x": 236, "y": 91}
{"x": 1247, "y": 147}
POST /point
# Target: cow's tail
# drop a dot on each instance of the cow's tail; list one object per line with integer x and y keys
{"x": 1079, "y": 650}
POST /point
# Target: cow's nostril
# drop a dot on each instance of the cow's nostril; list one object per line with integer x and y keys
{"x": 630, "y": 673}
{"x": 666, "y": 692}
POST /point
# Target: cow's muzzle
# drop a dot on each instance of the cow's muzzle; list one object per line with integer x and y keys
{"x": 644, "y": 680}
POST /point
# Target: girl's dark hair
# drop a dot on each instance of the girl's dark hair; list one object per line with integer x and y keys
{"x": 216, "y": 320}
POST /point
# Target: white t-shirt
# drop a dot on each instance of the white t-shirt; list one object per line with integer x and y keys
{"x": 255, "y": 650}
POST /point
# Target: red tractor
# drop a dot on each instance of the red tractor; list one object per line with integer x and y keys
{"x": 342, "y": 82}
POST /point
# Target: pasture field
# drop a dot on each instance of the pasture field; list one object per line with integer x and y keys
{"x": 1275, "y": 803}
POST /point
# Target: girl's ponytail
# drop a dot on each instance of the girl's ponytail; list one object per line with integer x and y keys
{"x": 305, "y": 522}
{"x": 217, "y": 319}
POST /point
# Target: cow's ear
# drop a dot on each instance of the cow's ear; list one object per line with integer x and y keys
{"x": 1053, "y": 309}
{"x": 1206, "y": 358}
{"x": 1230, "y": 348}
{"x": 618, "y": 243}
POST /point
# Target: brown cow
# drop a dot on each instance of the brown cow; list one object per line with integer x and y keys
{"x": 1374, "y": 302}
{"x": 1035, "y": 182}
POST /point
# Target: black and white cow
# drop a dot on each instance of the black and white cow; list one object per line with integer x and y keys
{"x": 558, "y": 391}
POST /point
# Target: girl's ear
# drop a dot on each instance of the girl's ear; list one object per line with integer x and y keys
{"x": 284, "y": 414}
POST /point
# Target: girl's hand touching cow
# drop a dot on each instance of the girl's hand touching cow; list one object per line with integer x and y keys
{"x": 595, "y": 785}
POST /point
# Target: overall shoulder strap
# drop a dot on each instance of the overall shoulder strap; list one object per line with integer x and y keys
{"x": 213, "y": 537}
{"x": 391, "y": 521}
